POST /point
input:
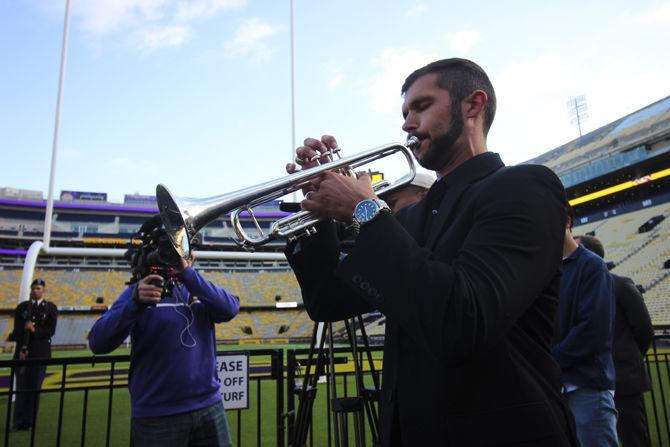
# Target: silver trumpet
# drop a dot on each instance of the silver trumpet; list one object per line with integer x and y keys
{"x": 184, "y": 217}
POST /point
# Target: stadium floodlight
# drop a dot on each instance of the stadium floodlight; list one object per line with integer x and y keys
{"x": 577, "y": 109}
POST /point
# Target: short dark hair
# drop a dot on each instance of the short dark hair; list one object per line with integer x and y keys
{"x": 593, "y": 244}
{"x": 460, "y": 77}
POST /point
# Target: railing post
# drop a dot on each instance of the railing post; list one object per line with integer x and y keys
{"x": 109, "y": 404}
{"x": 60, "y": 405}
{"x": 10, "y": 395}
{"x": 83, "y": 418}
{"x": 290, "y": 392}
{"x": 278, "y": 374}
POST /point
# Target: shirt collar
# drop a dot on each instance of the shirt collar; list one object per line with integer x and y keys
{"x": 472, "y": 169}
{"x": 575, "y": 254}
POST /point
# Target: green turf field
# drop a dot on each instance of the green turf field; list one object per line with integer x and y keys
{"x": 244, "y": 423}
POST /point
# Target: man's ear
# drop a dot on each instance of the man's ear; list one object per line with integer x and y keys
{"x": 475, "y": 103}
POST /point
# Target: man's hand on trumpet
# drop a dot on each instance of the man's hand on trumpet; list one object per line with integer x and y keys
{"x": 331, "y": 194}
{"x": 306, "y": 156}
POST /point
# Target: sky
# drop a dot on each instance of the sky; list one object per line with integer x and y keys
{"x": 196, "y": 94}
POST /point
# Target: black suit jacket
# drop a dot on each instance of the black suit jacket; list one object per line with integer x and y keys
{"x": 44, "y": 315}
{"x": 469, "y": 316}
{"x": 633, "y": 333}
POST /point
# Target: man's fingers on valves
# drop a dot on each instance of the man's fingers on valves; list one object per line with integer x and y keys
{"x": 307, "y": 157}
{"x": 329, "y": 141}
{"x": 313, "y": 152}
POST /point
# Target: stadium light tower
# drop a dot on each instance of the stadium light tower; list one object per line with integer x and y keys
{"x": 577, "y": 109}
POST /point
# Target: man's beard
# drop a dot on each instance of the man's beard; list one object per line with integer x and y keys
{"x": 441, "y": 151}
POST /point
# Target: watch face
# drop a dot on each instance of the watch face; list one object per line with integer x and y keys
{"x": 366, "y": 210}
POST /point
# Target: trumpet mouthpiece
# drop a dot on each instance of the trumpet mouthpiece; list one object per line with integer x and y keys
{"x": 412, "y": 142}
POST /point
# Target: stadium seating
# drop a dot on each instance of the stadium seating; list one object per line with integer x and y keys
{"x": 608, "y": 139}
{"x": 67, "y": 287}
{"x": 376, "y": 328}
{"x": 249, "y": 325}
{"x": 258, "y": 288}
{"x": 82, "y": 288}
{"x": 639, "y": 256}
{"x": 75, "y": 287}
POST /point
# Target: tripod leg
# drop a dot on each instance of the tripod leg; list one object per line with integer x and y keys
{"x": 366, "y": 347}
{"x": 372, "y": 396}
{"x": 345, "y": 406}
{"x": 337, "y": 422}
{"x": 308, "y": 389}
{"x": 360, "y": 406}
{"x": 367, "y": 398}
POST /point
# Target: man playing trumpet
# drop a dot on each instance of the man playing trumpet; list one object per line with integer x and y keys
{"x": 467, "y": 278}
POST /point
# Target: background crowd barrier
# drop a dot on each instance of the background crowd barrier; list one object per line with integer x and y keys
{"x": 84, "y": 400}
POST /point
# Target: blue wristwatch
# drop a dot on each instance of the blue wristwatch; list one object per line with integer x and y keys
{"x": 367, "y": 210}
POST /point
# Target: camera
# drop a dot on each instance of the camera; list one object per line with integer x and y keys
{"x": 170, "y": 279}
{"x": 160, "y": 251}
{"x": 152, "y": 253}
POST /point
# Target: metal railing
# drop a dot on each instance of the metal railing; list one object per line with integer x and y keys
{"x": 85, "y": 401}
{"x": 79, "y": 402}
{"x": 657, "y": 401}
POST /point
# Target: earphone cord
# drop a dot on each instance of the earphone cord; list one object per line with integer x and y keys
{"x": 187, "y": 328}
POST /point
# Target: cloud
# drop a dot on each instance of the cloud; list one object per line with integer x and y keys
{"x": 151, "y": 24}
{"x": 660, "y": 14}
{"x": 192, "y": 9}
{"x": 416, "y": 10}
{"x": 125, "y": 167}
{"x": 72, "y": 154}
{"x": 162, "y": 37}
{"x": 463, "y": 40}
{"x": 249, "y": 37}
{"x": 528, "y": 110}
{"x": 393, "y": 66}
{"x": 336, "y": 78}
{"x": 102, "y": 17}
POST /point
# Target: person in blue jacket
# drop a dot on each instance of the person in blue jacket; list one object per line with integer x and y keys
{"x": 583, "y": 334}
{"x": 169, "y": 311}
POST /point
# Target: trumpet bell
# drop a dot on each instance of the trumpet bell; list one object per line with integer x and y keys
{"x": 173, "y": 221}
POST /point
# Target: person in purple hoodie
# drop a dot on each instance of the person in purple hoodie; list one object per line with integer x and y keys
{"x": 169, "y": 311}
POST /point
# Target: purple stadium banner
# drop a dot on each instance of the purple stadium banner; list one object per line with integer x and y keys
{"x": 135, "y": 199}
{"x": 12, "y": 251}
{"x": 83, "y": 195}
{"x": 85, "y": 206}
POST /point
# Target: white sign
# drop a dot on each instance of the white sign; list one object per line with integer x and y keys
{"x": 233, "y": 373}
